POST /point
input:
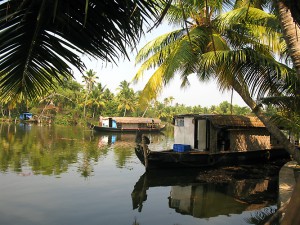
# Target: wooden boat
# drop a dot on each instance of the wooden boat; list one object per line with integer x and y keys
{"x": 128, "y": 124}
{"x": 214, "y": 140}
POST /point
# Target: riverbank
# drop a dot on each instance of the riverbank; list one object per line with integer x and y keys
{"x": 58, "y": 121}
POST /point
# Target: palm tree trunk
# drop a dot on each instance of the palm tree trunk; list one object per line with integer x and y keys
{"x": 291, "y": 34}
{"x": 272, "y": 128}
{"x": 84, "y": 108}
{"x": 145, "y": 111}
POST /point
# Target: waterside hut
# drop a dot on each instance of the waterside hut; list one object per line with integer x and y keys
{"x": 214, "y": 140}
{"x": 217, "y": 133}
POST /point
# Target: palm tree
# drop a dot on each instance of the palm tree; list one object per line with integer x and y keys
{"x": 126, "y": 97}
{"x": 232, "y": 48}
{"x": 97, "y": 99}
{"x": 168, "y": 101}
{"x": 41, "y": 38}
{"x": 90, "y": 80}
{"x": 290, "y": 32}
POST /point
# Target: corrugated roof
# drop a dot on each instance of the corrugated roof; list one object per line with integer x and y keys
{"x": 134, "y": 119}
{"x": 229, "y": 120}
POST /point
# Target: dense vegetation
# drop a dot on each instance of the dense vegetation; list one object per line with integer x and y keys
{"x": 73, "y": 102}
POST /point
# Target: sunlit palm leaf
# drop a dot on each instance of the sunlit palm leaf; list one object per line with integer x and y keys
{"x": 159, "y": 44}
{"x": 261, "y": 27}
{"x": 39, "y": 39}
{"x": 259, "y": 71}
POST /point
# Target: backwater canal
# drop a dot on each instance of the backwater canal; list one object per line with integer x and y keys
{"x": 62, "y": 175}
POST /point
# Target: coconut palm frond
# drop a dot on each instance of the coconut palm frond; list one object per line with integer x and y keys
{"x": 261, "y": 29}
{"x": 158, "y": 44}
{"x": 175, "y": 61}
{"x": 153, "y": 87}
{"x": 249, "y": 15}
{"x": 260, "y": 72}
{"x": 283, "y": 101}
{"x": 288, "y": 122}
{"x": 155, "y": 60}
{"x": 39, "y": 39}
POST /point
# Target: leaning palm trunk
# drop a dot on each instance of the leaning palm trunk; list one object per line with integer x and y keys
{"x": 272, "y": 128}
{"x": 291, "y": 34}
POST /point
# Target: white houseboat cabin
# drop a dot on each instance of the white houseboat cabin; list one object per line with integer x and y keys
{"x": 222, "y": 133}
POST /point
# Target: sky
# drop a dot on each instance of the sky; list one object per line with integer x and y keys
{"x": 198, "y": 93}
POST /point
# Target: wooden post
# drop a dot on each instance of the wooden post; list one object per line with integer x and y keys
{"x": 145, "y": 149}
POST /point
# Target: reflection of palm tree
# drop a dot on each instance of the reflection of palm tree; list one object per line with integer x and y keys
{"x": 135, "y": 222}
{"x": 231, "y": 48}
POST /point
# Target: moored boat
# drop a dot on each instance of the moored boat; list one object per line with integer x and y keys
{"x": 214, "y": 140}
{"x": 128, "y": 124}
{"x": 27, "y": 117}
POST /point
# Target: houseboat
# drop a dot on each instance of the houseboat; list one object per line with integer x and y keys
{"x": 128, "y": 124}
{"x": 212, "y": 140}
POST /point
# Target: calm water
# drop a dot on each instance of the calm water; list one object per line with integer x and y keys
{"x": 70, "y": 175}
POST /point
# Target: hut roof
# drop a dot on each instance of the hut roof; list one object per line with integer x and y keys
{"x": 229, "y": 120}
{"x": 134, "y": 120}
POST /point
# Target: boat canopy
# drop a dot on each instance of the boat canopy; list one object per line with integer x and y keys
{"x": 227, "y": 120}
{"x": 26, "y": 116}
{"x": 135, "y": 120}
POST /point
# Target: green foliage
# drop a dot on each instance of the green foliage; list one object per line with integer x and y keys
{"x": 241, "y": 49}
{"x": 70, "y": 98}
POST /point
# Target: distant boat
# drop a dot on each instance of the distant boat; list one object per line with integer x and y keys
{"x": 214, "y": 140}
{"x": 27, "y": 117}
{"x": 128, "y": 124}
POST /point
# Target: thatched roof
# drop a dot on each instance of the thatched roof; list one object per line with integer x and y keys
{"x": 237, "y": 121}
{"x": 134, "y": 120}
{"x": 229, "y": 120}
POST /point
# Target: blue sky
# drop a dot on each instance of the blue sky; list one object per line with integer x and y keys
{"x": 204, "y": 94}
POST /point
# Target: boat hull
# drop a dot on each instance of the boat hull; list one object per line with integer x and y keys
{"x": 112, "y": 129}
{"x": 190, "y": 159}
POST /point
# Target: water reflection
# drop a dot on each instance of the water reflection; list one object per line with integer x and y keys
{"x": 211, "y": 193}
{"x": 39, "y": 155}
{"x": 51, "y": 150}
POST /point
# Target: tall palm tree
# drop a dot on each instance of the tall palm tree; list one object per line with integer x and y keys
{"x": 39, "y": 39}
{"x": 89, "y": 79}
{"x": 126, "y": 97}
{"x": 236, "y": 48}
{"x": 98, "y": 102}
{"x": 168, "y": 101}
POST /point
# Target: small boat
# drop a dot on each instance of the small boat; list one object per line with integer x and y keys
{"x": 128, "y": 124}
{"x": 27, "y": 117}
{"x": 214, "y": 140}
